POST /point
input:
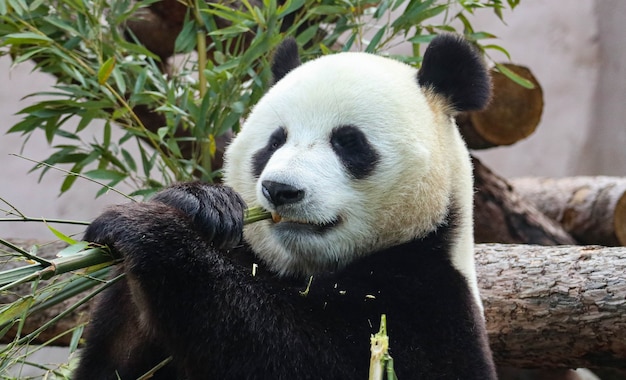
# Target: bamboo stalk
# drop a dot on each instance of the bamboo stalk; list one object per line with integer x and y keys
{"x": 381, "y": 363}
{"x": 94, "y": 261}
{"x": 91, "y": 257}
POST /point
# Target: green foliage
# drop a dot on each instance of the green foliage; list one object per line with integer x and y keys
{"x": 107, "y": 84}
{"x": 104, "y": 80}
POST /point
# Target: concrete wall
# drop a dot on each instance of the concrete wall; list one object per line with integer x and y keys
{"x": 606, "y": 136}
{"x": 33, "y": 198}
{"x": 576, "y": 50}
{"x": 578, "y": 53}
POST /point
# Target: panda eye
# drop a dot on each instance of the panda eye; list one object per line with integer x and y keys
{"x": 262, "y": 156}
{"x": 277, "y": 139}
{"x": 344, "y": 140}
{"x": 348, "y": 139}
{"x": 354, "y": 150}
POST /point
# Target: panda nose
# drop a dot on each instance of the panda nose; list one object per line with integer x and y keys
{"x": 280, "y": 193}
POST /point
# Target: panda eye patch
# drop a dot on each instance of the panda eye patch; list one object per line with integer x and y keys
{"x": 262, "y": 156}
{"x": 277, "y": 139}
{"x": 354, "y": 150}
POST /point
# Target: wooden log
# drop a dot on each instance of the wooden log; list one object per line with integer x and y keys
{"x": 157, "y": 27}
{"x": 512, "y": 115}
{"x": 554, "y": 307}
{"x": 502, "y": 216}
{"x": 591, "y": 209}
{"x": 545, "y": 307}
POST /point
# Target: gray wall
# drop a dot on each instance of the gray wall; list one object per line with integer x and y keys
{"x": 577, "y": 50}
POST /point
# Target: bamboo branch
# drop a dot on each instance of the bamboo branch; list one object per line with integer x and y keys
{"x": 94, "y": 256}
{"x": 545, "y": 307}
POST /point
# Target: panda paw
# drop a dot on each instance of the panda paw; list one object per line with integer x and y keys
{"x": 213, "y": 213}
{"x": 107, "y": 227}
{"x": 216, "y": 211}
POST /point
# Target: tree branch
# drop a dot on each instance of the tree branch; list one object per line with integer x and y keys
{"x": 546, "y": 307}
{"x": 553, "y": 307}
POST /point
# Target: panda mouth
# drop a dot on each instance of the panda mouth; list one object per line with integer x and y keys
{"x": 299, "y": 224}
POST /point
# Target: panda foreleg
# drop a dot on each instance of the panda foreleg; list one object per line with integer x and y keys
{"x": 209, "y": 313}
{"x": 116, "y": 346}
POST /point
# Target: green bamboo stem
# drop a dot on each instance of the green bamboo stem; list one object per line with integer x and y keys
{"x": 381, "y": 363}
{"x": 73, "y": 286}
{"x": 84, "y": 259}
{"x": 64, "y": 313}
{"x": 24, "y": 253}
{"x": 94, "y": 261}
{"x": 45, "y": 220}
{"x": 255, "y": 214}
{"x": 151, "y": 372}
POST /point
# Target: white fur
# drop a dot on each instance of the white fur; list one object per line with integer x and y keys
{"x": 423, "y": 164}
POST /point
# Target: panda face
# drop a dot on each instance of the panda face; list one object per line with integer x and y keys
{"x": 345, "y": 151}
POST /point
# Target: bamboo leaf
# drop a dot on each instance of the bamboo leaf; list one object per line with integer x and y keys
{"x": 130, "y": 161}
{"x": 479, "y": 36}
{"x": 15, "y": 309}
{"x": 76, "y": 335}
{"x": 105, "y": 174}
{"x": 373, "y": 45}
{"x": 61, "y": 24}
{"x": 71, "y": 178}
{"x": 119, "y": 80}
{"x": 289, "y": 7}
{"x": 26, "y": 38}
{"x": 186, "y": 39}
{"x": 61, "y": 235}
{"x": 16, "y": 274}
{"x": 514, "y": 77}
{"x": 413, "y": 14}
{"x": 105, "y": 70}
{"x": 73, "y": 249}
{"x": 422, "y": 39}
{"x": 498, "y": 48}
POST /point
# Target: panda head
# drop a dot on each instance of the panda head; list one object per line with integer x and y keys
{"x": 354, "y": 153}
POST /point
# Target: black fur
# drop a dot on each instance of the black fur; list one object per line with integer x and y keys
{"x": 286, "y": 58}
{"x": 453, "y": 68}
{"x": 263, "y": 155}
{"x": 203, "y": 204}
{"x": 185, "y": 298}
{"x": 355, "y": 152}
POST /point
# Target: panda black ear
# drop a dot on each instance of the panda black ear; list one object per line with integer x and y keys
{"x": 453, "y": 68}
{"x": 285, "y": 59}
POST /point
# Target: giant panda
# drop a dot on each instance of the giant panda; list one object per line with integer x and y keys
{"x": 359, "y": 160}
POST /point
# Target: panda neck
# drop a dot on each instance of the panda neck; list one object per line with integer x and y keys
{"x": 438, "y": 245}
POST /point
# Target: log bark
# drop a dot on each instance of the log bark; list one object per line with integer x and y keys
{"x": 545, "y": 307}
{"x": 502, "y": 216}
{"x": 512, "y": 115}
{"x": 554, "y": 307}
{"x": 591, "y": 209}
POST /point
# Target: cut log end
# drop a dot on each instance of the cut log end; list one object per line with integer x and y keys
{"x": 619, "y": 220}
{"x": 512, "y": 115}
